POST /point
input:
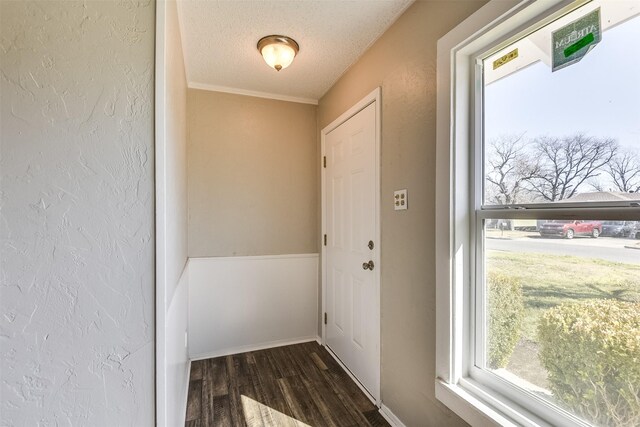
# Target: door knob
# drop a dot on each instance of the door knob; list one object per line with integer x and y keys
{"x": 367, "y": 265}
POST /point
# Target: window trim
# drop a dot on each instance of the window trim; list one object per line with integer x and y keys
{"x": 497, "y": 24}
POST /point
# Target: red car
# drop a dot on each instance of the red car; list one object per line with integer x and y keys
{"x": 569, "y": 228}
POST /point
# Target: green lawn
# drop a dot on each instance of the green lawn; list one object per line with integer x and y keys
{"x": 549, "y": 280}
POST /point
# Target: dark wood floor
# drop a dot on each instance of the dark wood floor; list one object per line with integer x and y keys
{"x": 295, "y": 385}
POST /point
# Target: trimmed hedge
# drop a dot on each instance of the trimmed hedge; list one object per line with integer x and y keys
{"x": 506, "y": 313}
{"x": 591, "y": 351}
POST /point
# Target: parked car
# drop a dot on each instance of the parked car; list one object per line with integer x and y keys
{"x": 617, "y": 228}
{"x": 570, "y": 228}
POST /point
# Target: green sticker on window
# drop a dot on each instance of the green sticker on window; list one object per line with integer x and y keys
{"x": 572, "y": 42}
{"x": 583, "y": 42}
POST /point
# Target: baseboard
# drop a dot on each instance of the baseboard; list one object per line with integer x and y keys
{"x": 247, "y": 348}
{"x": 390, "y": 416}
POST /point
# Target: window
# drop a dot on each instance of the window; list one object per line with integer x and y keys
{"x": 538, "y": 200}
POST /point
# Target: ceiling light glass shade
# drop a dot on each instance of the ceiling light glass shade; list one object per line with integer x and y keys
{"x": 278, "y": 51}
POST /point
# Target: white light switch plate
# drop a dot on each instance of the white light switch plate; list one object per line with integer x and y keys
{"x": 400, "y": 200}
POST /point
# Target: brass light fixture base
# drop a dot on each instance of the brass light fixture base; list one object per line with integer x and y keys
{"x": 278, "y": 40}
{"x": 275, "y": 39}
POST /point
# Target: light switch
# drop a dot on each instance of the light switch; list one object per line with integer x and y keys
{"x": 400, "y": 200}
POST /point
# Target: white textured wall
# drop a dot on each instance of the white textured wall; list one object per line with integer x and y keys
{"x": 77, "y": 273}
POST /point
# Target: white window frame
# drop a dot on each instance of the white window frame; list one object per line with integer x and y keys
{"x": 480, "y": 397}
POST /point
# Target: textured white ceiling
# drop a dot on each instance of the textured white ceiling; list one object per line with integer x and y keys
{"x": 219, "y": 40}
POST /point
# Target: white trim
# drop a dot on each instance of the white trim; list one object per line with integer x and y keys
{"x": 256, "y": 347}
{"x": 161, "y": 215}
{"x": 497, "y": 22}
{"x": 252, "y": 257}
{"x": 470, "y": 408}
{"x": 390, "y": 416}
{"x": 353, "y": 377}
{"x": 183, "y": 418}
{"x": 373, "y": 97}
{"x": 254, "y": 93}
{"x": 507, "y": 409}
{"x": 452, "y": 179}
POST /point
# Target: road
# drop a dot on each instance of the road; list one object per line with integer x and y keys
{"x": 607, "y": 248}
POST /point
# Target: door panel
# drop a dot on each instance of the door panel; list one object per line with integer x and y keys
{"x": 338, "y": 302}
{"x": 353, "y": 321}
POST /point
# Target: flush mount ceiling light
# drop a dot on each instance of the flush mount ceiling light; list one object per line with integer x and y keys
{"x": 278, "y": 51}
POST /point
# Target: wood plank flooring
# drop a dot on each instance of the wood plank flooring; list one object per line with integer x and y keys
{"x": 291, "y": 386}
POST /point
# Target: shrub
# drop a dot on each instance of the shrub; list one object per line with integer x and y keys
{"x": 591, "y": 351}
{"x": 506, "y": 312}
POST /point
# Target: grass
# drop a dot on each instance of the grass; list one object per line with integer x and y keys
{"x": 549, "y": 280}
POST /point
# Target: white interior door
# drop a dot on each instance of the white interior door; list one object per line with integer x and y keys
{"x": 353, "y": 325}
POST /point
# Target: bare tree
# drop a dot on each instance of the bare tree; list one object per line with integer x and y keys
{"x": 508, "y": 168}
{"x": 568, "y": 163}
{"x": 624, "y": 171}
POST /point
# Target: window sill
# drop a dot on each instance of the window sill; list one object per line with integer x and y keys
{"x": 478, "y": 406}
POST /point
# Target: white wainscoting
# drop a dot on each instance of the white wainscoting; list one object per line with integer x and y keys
{"x": 244, "y": 303}
{"x": 177, "y": 357}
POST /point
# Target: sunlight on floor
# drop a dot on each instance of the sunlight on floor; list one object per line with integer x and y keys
{"x": 258, "y": 415}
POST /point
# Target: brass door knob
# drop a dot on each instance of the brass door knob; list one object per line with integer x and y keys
{"x": 367, "y": 265}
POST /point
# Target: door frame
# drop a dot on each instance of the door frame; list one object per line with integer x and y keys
{"x": 373, "y": 96}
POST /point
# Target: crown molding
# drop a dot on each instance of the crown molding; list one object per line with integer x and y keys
{"x": 236, "y": 91}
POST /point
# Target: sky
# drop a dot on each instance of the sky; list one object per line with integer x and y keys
{"x": 598, "y": 96}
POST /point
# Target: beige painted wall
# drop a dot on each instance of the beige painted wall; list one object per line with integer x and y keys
{"x": 403, "y": 63}
{"x": 252, "y": 176}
